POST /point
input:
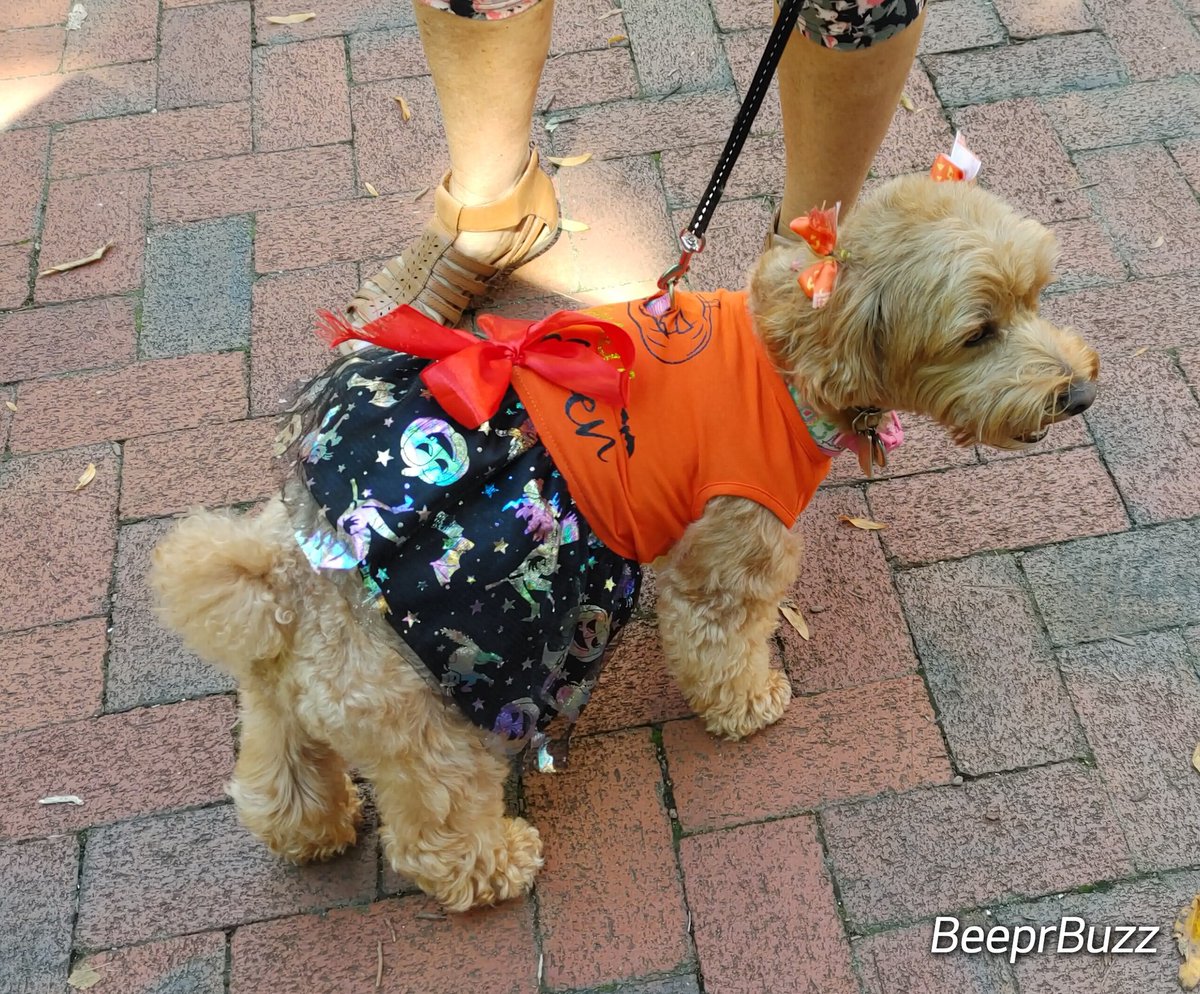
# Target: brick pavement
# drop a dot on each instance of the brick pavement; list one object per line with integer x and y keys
{"x": 996, "y": 710}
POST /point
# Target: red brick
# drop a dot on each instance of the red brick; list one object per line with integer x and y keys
{"x": 758, "y": 171}
{"x": 8, "y": 396}
{"x": 52, "y": 674}
{"x": 635, "y": 687}
{"x": 587, "y": 78}
{"x": 639, "y": 127}
{"x": 80, "y": 96}
{"x": 301, "y": 95}
{"x": 285, "y": 352}
{"x": 82, "y": 215}
{"x": 674, "y": 46}
{"x": 582, "y": 25}
{"x": 1122, "y": 115}
{"x": 23, "y": 172}
{"x": 1004, "y": 505}
{"x": 84, "y": 335}
{"x": 1144, "y": 428}
{"x": 56, "y": 545}
{"x": 113, "y": 31}
{"x": 199, "y": 870}
{"x": 845, "y": 592}
{"x": 736, "y": 242}
{"x": 1088, "y": 256}
{"x": 216, "y": 464}
{"x": 743, "y": 50}
{"x": 1143, "y": 198}
{"x": 245, "y": 183}
{"x": 613, "y": 199}
{"x": 395, "y": 54}
{"x": 15, "y": 274}
{"x": 959, "y": 24}
{"x": 915, "y": 137}
{"x": 204, "y": 55}
{"x": 121, "y": 765}
{"x": 1187, "y": 155}
{"x": 490, "y": 950}
{"x": 333, "y": 17}
{"x": 142, "y": 140}
{"x": 1045, "y": 65}
{"x": 1030, "y": 20}
{"x": 1140, "y": 707}
{"x": 828, "y": 747}
{"x": 147, "y": 397}
{"x": 32, "y": 13}
{"x": 735, "y": 15}
{"x": 37, "y": 906}
{"x": 927, "y": 446}
{"x": 899, "y": 962}
{"x": 1072, "y": 434}
{"x": 30, "y": 52}
{"x": 394, "y": 154}
{"x": 989, "y": 666}
{"x": 1152, "y": 37}
{"x": 194, "y": 964}
{"x": 1023, "y": 159}
{"x": 148, "y": 664}
{"x": 367, "y": 228}
{"x": 608, "y": 849}
{"x": 764, "y": 912}
{"x": 897, "y": 859}
{"x": 1118, "y": 320}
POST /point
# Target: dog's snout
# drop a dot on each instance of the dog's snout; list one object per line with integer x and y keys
{"x": 1077, "y": 398}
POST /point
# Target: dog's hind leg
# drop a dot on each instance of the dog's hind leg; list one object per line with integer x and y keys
{"x": 719, "y": 594}
{"x": 290, "y": 790}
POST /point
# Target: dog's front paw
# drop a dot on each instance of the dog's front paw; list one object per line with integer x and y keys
{"x": 744, "y": 715}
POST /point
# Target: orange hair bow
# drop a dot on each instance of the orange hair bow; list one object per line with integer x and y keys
{"x": 819, "y": 228}
{"x": 960, "y": 164}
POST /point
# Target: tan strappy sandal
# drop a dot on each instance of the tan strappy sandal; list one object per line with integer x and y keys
{"x": 436, "y": 278}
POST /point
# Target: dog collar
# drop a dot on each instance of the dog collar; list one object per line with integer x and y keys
{"x": 876, "y": 432}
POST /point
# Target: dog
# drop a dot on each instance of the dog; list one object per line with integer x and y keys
{"x": 935, "y": 311}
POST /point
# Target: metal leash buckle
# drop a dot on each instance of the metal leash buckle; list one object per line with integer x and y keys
{"x": 866, "y": 425}
{"x": 689, "y": 245}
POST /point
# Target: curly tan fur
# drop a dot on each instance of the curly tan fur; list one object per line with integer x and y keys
{"x": 936, "y": 312}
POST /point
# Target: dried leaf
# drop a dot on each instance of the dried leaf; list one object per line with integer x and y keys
{"x": 1142, "y": 351}
{"x": 424, "y": 190}
{"x": 429, "y": 916}
{"x": 405, "y": 110}
{"x": 378, "y": 964}
{"x": 11, "y": 406}
{"x": 1158, "y": 242}
{"x": 907, "y": 102}
{"x": 1196, "y": 757}
{"x": 1122, "y": 640}
{"x": 866, "y": 524}
{"x": 795, "y": 619}
{"x": 76, "y": 263}
{"x": 1187, "y": 937}
{"x": 86, "y": 476}
{"x": 76, "y": 17}
{"x": 291, "y": 18}
{"x": 60, "y": 799}
{"x": 371, "y": 190}
{"x": 568, "y": 225}
{"x": 571, "y": 160}
{"x": 83, "y": 977}
{"x": 550, "y": 126}
{"x": 617, "y": 40}
{"x": 612, "y": 13}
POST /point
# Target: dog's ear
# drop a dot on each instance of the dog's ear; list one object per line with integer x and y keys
{"x": 833, "y": 353}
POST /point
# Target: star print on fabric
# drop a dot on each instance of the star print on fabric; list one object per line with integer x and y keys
{"x": 388, "y": 422}
{"x": 384, "y": 457}
{"x": 490, "y": 490}
{"x": 501, "y": 546}
{"x": 477, "y": 607}
{"x": 527, "y": 663}
{"x": 478, "y": 704}
{"x": 608, "y": 584}
{"x": 381, "y": 574}
{"x": 470, "y": 579}
{"x": 424, "y": 513}
{"x": 509, "y": 605}
{"x": 409, "y": 619}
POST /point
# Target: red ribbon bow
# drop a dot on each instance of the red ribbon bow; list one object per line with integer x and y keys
{"x": 471, "y": 375}
{"x": 819, "y": 228}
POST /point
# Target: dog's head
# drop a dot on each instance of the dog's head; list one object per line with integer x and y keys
{"x": 935, "y": 311}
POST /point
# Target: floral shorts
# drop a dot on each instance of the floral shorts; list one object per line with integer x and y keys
{"x": 842, "y": 24}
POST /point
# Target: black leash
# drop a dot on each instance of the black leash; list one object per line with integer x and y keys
{"x": 691, "y": 238}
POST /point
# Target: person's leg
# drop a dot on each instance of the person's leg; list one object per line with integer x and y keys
{"x": 496, "y": 209}
{"x": 838, "y": 101}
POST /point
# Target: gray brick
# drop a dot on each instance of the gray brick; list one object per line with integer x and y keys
{"x": 1140, "y": 708}
{"x": 675, "y": 45}
{"x": 197, "y": 288}
{"x": 1117, "y": 584}
{"x": 898, "y": 962}
{"x": 37, "y": 906}
{"x": 1135, "y": 113}
{"x": 685, "y": 984}
{"x": 991, "y": 669}
{"x": 898, "y": 859}
{"x": 147, "y": 663}
{"x": 955, "y": 25}
{"x": 1046, "y": 65}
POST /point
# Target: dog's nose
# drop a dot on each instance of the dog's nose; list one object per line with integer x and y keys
{"x": 1078, "y": 397}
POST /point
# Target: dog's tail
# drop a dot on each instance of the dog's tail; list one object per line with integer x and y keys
{"x": 219, "y": 582}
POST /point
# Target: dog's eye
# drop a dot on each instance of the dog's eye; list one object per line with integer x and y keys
{"x": 983, "y": 333}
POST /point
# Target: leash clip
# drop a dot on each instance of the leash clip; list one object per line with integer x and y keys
{"x": 690, "y": 244}
{"x": 866, "y": 425}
